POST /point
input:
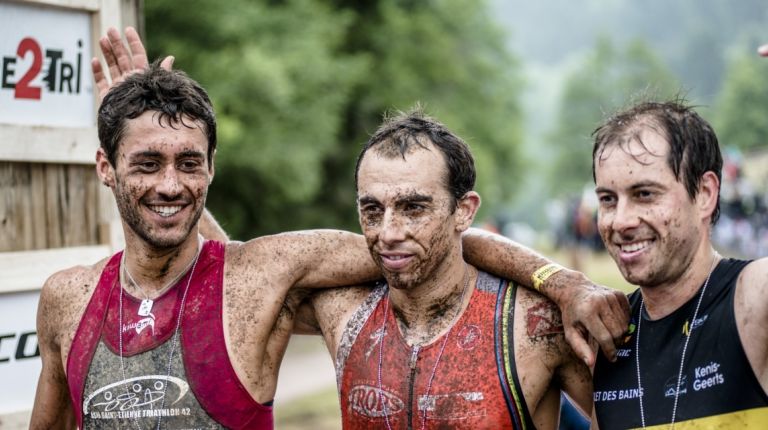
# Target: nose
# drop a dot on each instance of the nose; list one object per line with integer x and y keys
{"x": 170, "y": 185}
{"x": 625, "y": 216}
{"x": 393, "y": 228}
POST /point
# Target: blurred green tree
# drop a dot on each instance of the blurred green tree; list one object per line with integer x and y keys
{"x": 298, "y": 85}
{"x": 609, "y": 79}
{"x": 742, "y": 119}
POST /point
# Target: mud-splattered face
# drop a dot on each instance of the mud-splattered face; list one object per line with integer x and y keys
{"x": 160, "y": 179}
{"x": 647, "y": 220}
{"x": 406, "y": 214}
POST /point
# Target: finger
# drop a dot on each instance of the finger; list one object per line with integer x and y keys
{"x": 99, "y": 77}
{"x": 109, "y": 57}
{"x": 603, "y": 337}
{"x": 120, "y": 51}
{"x": 167, "y": 62}
{"x": 763, "y": 50}
{"x": 138, "y": 53}
{"x": 618, "y": 319}
{"x": 580, "y": 345}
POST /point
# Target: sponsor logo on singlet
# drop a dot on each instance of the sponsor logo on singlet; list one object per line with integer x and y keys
{"x": 671, "y": 384}
{"x": 707, "y": 376}
{"x": 138, "y": 397}
{"x": 613, "y": 395}
{"x": 141, "y": 324}
{"x": 374, "y": 402}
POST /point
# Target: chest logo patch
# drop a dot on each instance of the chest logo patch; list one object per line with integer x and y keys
{"x": 141, "y": 392}
{"x": 469, "y": 337}
{"x": 371, "y": 402}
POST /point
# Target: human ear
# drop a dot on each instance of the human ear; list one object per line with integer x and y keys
{"x": 104, "y": 169}
{"x": 466, "y": 209}
{"x": 708, "y": 192}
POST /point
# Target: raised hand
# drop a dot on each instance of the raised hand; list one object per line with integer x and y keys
{"x": 121, "y": 61}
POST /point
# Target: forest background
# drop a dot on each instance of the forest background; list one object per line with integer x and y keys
{"x": 299, "y": 85}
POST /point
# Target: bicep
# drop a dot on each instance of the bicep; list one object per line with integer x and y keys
{"x": 325, "y": 258}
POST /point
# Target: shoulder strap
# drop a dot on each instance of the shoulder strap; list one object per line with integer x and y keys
{"x": 88, "y": 334}
{"x": 353, "y": 329}
{"x": 505, "y": 355}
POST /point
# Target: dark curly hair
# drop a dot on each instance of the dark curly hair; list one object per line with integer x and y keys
{"x": 170, "y": 93}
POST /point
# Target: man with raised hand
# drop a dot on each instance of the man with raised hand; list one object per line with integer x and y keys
{"x": 697, "y": 349}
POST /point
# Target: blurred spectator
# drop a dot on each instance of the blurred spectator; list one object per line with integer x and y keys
{"x": 743, "y": 226}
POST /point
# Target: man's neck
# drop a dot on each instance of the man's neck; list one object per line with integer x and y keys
{"x": 663, "y": 299}
{"x": 153, "y": 268}
{"x": 426, "y": 311}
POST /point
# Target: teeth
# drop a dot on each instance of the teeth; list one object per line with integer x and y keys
{"x": 632, "y": 247}
{"x": 165, "y": 211}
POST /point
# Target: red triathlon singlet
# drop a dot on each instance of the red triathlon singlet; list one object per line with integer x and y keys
{"x": 391, "y": 379}
{"x": 201, "y": 390}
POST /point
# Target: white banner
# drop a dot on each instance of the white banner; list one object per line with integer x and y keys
{"x": 45, "y": 76}
{"x": 19, "y": 351}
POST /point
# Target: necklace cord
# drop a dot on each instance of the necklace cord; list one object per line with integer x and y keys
{"x": 682, "y": 356}
{"x": 174, "y": 340}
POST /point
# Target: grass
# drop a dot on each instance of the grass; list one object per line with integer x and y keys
{"x": 320, "y": 411}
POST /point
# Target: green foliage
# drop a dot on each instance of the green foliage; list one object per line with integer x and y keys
{"x": 603, "y": 83}
{"x": 743, "y": 106}
{"x": 298, "y": 85}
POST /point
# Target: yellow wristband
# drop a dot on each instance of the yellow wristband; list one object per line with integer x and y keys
{"x": 543, "y": 273}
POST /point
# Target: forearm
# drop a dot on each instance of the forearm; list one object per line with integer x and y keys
{"x": 510, "y": 260}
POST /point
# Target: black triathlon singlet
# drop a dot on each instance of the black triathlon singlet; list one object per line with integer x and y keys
{"x": 718, "y": 388}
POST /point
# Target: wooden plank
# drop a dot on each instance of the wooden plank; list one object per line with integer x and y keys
{"x": 45, "y": 144}
{"x": 50, "y": 202}
{"x": 35, "y": 207}
{"x": 28, "y": 270}
{"x": 90, "y": 5}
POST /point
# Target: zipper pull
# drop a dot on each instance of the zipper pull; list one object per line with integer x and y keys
{"x": 414, "y": 356}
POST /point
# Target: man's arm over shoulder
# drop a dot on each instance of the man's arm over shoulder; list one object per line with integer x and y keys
{"x": 307, "y": 259}
{"x": 751, "y": 308}
{"x": 52, "y": 408}
{"x": 587, "y": 308}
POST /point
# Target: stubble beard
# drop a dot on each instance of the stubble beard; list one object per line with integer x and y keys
{"x": 130, "y": 213}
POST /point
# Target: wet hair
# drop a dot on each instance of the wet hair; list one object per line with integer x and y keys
{"x": 172, "y": 94}
{"x": 407, "y": 131}
{"x": 693, "y": 146}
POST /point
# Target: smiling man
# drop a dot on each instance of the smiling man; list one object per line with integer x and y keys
{"x": 696, "y": 356}
{"x": 440, "y": 344}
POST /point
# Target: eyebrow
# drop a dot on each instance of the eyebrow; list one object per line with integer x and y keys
{"x": 641, "y": 184}
{"x": 411, "y": 198}
{"x": 366, "y": 200}
{"x": 147, "y": 154}
{"x": 416, "y": 198}
{"x": 190, "y": 153}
